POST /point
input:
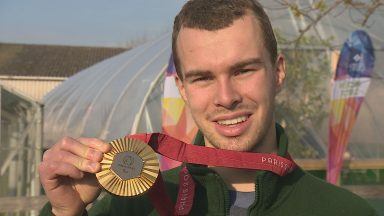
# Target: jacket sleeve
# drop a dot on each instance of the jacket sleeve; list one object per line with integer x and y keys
{"x": 374, "y": 213}
{"x": 101, "y": 207}
{"x": 47, "y": 210}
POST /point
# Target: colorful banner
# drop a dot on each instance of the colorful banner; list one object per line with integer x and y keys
{"x": 351, "y": 82}
{"x": 176, "y": 118}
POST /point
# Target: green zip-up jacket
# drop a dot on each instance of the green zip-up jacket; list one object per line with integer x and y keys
{"x": 296, "y": 194}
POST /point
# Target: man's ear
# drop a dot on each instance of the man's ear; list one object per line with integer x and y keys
{"x": 280, "y": 72}
{"x": 181, "y": 87}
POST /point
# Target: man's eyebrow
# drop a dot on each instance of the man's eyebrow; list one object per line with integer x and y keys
{"x": 196, "y": 73}
{"x": 252, "y": 61}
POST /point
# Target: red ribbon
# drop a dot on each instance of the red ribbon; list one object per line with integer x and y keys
{"x": 183, "y": 152}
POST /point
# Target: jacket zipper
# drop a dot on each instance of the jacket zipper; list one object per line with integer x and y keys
{"x": 225, "y": 194}
{"x": 226, "y": 198}
{"x": 257, "y": 197}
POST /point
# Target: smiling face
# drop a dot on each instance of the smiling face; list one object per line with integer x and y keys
{"x": 229, "y": 84}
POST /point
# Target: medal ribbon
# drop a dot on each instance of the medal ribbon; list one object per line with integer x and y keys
{"x": 187, "y": 153}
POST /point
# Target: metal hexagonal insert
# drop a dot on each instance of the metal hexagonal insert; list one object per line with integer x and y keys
{"x": 127, "y": 165}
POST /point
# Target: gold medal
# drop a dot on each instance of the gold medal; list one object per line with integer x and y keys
{"x": 129, "y": 169}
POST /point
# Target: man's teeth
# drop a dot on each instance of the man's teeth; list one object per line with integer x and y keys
{"x": 232, "y": 121}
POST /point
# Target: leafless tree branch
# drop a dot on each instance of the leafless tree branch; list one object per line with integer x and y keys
{"x": 315, "y": 12}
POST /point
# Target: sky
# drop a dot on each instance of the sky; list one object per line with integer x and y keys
{"x": 85, "y": 22}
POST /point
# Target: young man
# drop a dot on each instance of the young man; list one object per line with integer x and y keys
{"x": 229, "y": 73}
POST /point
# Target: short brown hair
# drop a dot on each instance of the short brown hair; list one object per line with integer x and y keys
{"x": 213, "y": 15}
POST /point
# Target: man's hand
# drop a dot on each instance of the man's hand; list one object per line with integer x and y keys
{"x": 67, "y": 174}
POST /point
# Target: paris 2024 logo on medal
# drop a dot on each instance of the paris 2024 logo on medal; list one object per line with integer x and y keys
{"x": 129, "y": 169}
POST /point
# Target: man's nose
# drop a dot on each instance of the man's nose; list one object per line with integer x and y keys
{"x": 227, "y": 94}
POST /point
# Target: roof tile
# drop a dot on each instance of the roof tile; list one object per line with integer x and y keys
{"x": 50, "y": 60}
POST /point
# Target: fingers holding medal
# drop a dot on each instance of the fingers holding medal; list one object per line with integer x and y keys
{"x": 129, "y": 169}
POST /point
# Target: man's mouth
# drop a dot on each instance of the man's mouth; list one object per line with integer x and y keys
{"x": 234, "y": 121}
{"x": 232, "y": 126}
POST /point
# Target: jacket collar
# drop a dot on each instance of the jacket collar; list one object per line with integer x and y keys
{"x": 268, "y": 184}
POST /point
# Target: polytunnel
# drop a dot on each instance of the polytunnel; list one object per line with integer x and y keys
{"x": 112, "y": 98}
{"x": 122, "y": 94}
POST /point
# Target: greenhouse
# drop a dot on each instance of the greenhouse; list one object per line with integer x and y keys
{"x": 123, "y": 94}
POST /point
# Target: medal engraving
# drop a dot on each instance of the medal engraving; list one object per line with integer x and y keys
{"x": 127, "y": 165}
{"x": 129, "y": 169}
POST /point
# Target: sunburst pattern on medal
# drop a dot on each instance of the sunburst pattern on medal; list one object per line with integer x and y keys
{"x": 134, "y": 186}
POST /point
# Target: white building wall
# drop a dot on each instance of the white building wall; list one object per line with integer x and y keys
{"x": 34, "y": 87}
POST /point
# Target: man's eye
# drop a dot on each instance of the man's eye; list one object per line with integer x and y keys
{"x": 200, "y": 79}
{"x": 243, "y": 71}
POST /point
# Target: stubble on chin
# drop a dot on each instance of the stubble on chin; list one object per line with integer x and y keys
{"x": 246, "y": 142}
{"x": 229, "y": 143}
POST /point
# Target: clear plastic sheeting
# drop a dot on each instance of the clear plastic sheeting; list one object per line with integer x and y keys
{"x": 335, "y": 27}
{"x": 367, "y": 138}
{"x": 123, "y": 94}
{"x": 103, "y": 100}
